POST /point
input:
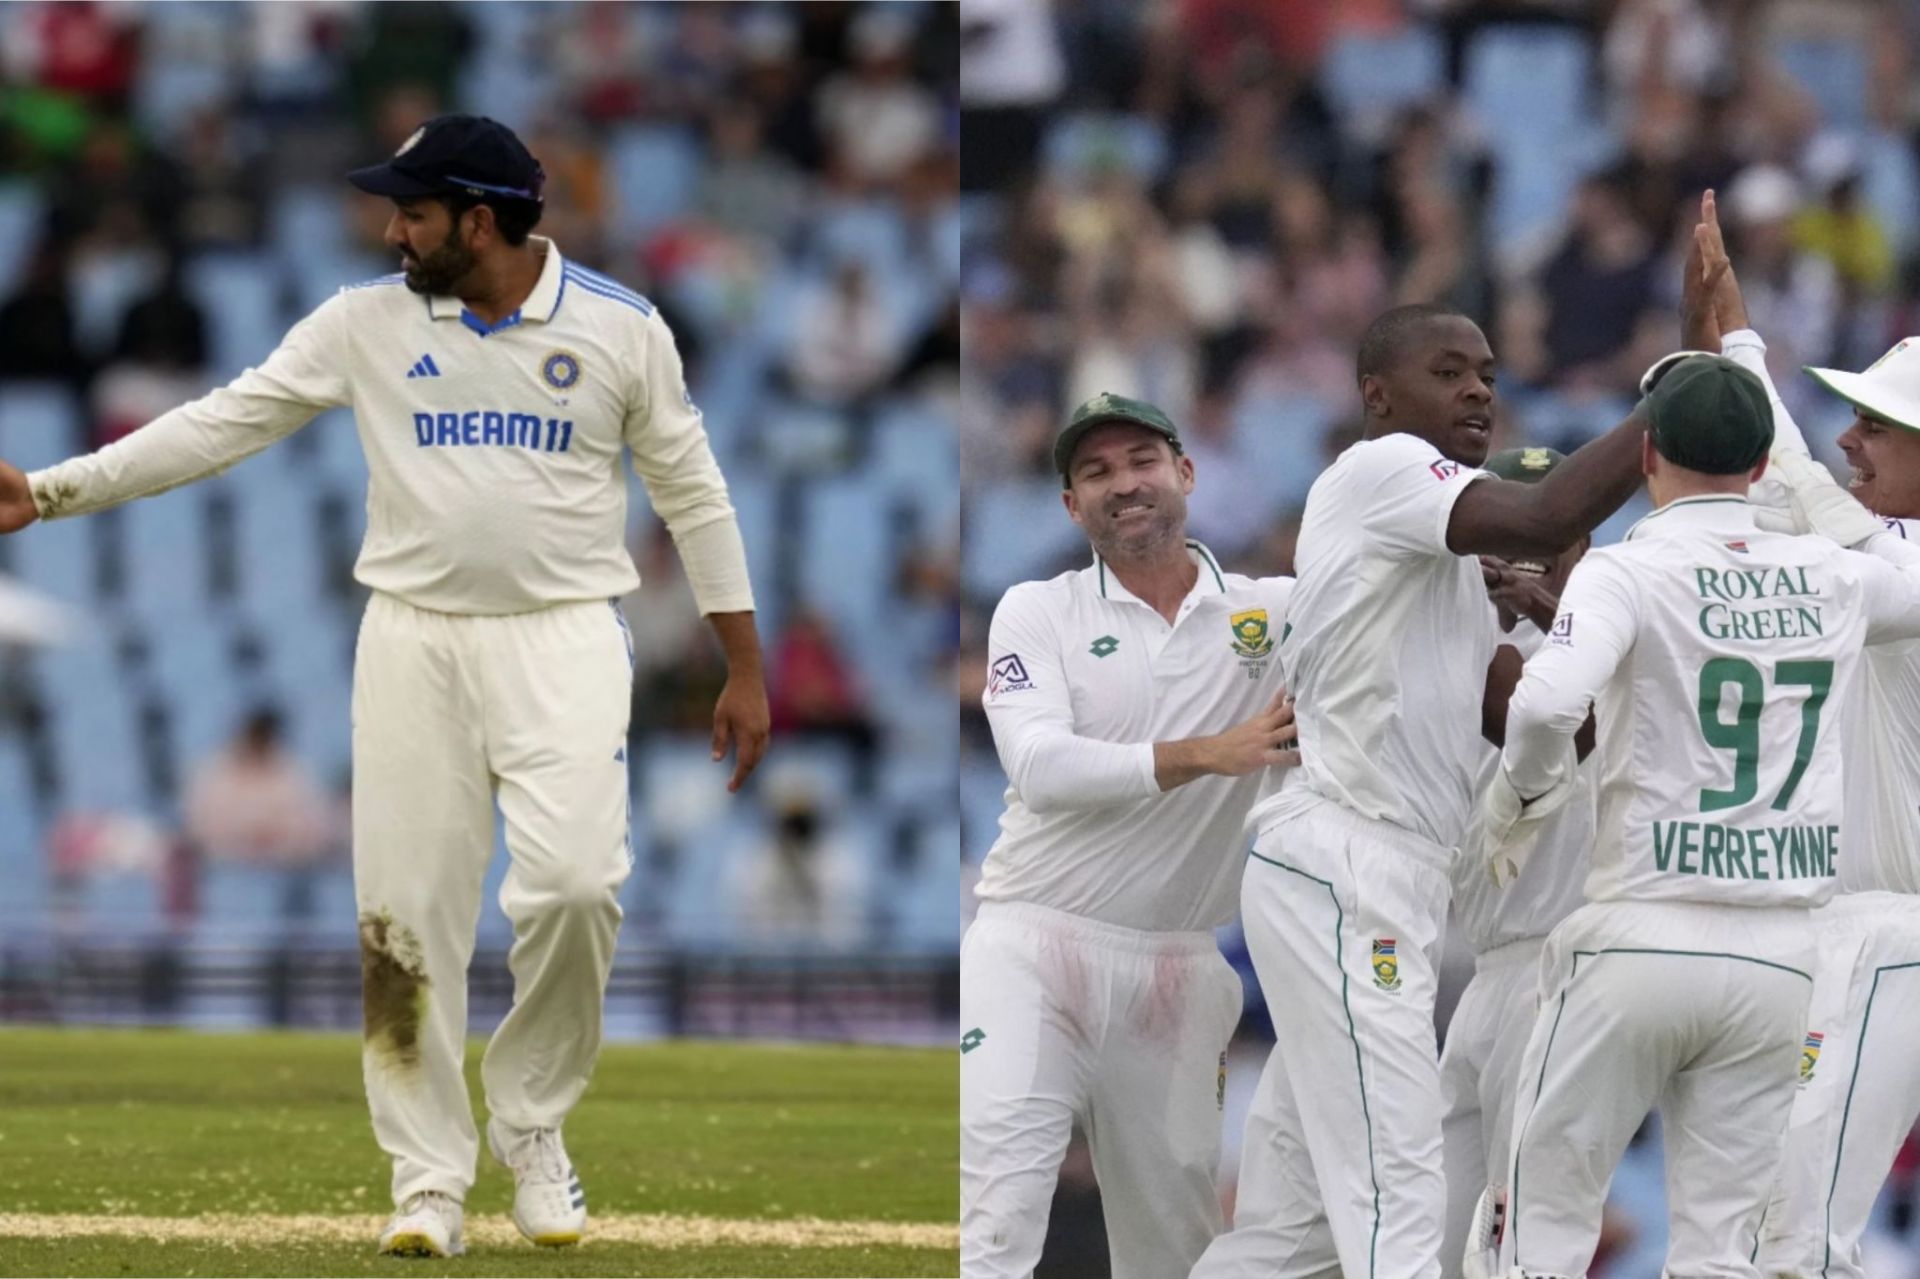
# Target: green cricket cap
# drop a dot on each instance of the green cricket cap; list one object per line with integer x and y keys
{"x": 1710, "y": 415}
{"x": 1104, "y": 408}
{"x": 1525, "y": 465}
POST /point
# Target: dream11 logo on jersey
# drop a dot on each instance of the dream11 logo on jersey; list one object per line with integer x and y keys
{"x": 1008, "y": 675}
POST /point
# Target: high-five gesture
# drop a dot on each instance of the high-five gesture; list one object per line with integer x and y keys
{"x": 1704, "y": 314}
{"x": 16, "y": 500}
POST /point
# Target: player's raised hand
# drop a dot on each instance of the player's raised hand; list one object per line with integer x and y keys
{"x": 1520, "y": 594}
{"x": 1706, "y": 267}
{"x": 742, "y": 721}
{"x": 1729, "y": 307}
{"x": 16, "y": 500}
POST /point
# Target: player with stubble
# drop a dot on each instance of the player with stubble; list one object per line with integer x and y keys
{"x": 1392, "y": 662}
{"x": 496, "y": 388}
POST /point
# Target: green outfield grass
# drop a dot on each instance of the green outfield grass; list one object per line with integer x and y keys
{"x": 754, "y": 1144}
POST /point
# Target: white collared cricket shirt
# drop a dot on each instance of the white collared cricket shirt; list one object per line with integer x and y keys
{"x": 1717, "y": 659}
{"x": 1881, "y": 826}
{"x": 1084, "y": 678}
{"x": 493, "y": 452}
{"x": 1391, "y": 637}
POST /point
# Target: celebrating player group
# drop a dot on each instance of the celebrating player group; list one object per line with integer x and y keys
{"x": 1668, "y": 787}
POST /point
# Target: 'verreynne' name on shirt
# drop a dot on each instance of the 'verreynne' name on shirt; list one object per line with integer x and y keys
{"x": 1727, "y": 852}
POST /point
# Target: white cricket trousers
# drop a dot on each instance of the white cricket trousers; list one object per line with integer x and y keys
{"x": 1479, "y": 1074}
{"x": 1693, "y": 1008}
{"x": 1859, "y": 1090}
{"x": 1340, "y": 1170}
{"x": 1065, "y": 1018}
{"x": 451, "y": 714}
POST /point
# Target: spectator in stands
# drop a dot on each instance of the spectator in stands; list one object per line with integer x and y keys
{"x": 1792, "y": 296}
{"x": 254, "y": 803}
{"x": 877, "y": 118}
{"x": 159, "y": 361}
{"x": 747, "y": 189}
{"x": 845, "y": 343}
{"x": 1598, "y": 284}
{"x": 812, "y": 692}
{"x": 224, "y": 205}
{"x": 802, "y": 888}
{"x": 38, "y": 340}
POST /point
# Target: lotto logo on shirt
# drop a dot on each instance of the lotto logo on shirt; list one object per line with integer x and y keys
{"x": 1008, "y": 675}
{"x": 485, "y": 427}
{"x": 1444, "y": 469}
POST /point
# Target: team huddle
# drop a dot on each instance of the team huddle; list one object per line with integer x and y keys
{"x": 1666, "y": 786}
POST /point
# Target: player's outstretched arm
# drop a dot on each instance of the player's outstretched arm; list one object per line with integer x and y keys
{"x": 16, "y": 499}
{"x": 1265, "y": 741}
{"x": 1515, "y": 520}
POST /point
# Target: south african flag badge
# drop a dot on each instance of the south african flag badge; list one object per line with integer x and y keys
{"x": 1386, "y": 965}
{"x": 1810, "y": 1056}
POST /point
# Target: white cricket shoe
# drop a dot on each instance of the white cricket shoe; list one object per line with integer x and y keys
{"x": 426, "y": 1225}
{"x": 548, "y": 1204}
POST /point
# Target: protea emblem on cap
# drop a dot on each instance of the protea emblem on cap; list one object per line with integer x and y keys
{"x": 1536, "y": 459}
{"x": 411, "y": 142}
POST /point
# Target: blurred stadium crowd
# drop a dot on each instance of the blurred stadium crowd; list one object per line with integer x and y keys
{"x": 780, "y": 179}
{"x": 1202, "y": 203}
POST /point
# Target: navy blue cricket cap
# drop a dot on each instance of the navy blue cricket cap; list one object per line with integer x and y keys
{"x": 457, "y": 155}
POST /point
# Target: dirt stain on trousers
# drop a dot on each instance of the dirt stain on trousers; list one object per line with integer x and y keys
{"x": 393, "y": 989}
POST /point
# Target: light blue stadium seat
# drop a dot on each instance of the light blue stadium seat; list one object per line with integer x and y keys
{"x": 1527, "y": 82}
{"x": 277, "y": 538}
{"x": 1366, "y": 74}
{"x": 57, "y": 557}
{"x": 1834, "y": 72}
{"x": 93, "y": 727}
{"x": 916, "y": 455}
{"x": 847, "y": 560}
{"x": 121, "y": 903}
{"x": 190, "y": 663}
{"x": 104, "y": 286}
{"x": 22, "y": 208}
{"x": 185, "y": 68}
{"x": 240, "y": 899}
{"x": 240, "y": 293}
{"x": 654, "y": 170}
{"x": 39, "y": 424}
{"x": 926, "y": 900}
{"x": 23, "y": 859}
{"x": 1086, "y": 143}
{"x": 1015, "y": 531}
{"x": 307, "y": 220}
{"x": 164, "y": 539}
{"x": 1282, "y": 439}
{"x": 983, "y": 789}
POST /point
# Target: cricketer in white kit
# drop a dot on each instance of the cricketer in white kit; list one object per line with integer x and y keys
{"x": 495, "y": 387}
{"x": 1859, "y": 1087}
{"x": 1712, "y": 655}
{"x": 1091, "y": 987}
{"x": 1506, "y": 929}
{"x": 1391, "y": 660}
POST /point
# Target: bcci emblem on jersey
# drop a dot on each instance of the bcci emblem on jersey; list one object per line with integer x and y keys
{"x": 1386, "y": 965}
{"x": 1810, "y": 1056}
{"x": 561, "y": 369}
{"x": 1250, "y": 638}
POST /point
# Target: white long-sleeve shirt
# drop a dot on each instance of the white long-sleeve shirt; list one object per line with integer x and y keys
{"x": 1881, "y": 722}
{"x": 1084, "y": 678}
{"x": 1716, "y": 658}
{"x": 493, "y": 453}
